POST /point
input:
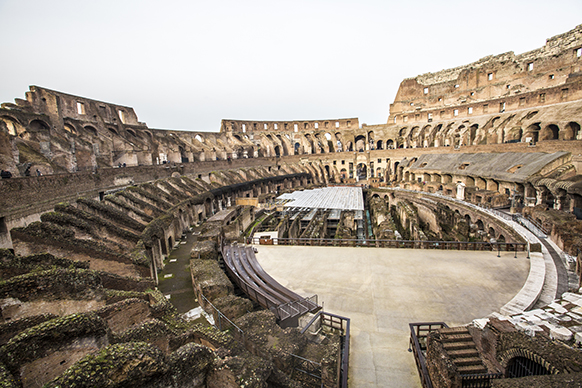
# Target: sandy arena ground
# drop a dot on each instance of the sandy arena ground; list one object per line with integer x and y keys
{"x": 382, "y": 290}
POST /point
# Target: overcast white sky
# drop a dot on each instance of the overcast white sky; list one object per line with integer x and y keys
{"x": 189, "y": 64}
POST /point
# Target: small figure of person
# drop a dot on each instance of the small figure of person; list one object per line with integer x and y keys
{"x": 38, "y": 173}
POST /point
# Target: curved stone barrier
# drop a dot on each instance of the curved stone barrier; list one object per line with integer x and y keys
{"x": 536, "y": 279}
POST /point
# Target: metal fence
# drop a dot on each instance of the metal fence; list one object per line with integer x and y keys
{"x": 412, "y": 244}
{"x": 301, "y": 364}
{"x": 482, "y": 380}
{"x": 417, "y": 345}
{"x": 221, "y": 322}
{"x": 342, "y": 324}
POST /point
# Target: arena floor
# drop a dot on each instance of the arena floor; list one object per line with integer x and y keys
{"x": 382, "y": 290}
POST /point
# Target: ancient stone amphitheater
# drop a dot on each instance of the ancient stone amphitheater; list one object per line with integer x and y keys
{"x": 95, "y": 204}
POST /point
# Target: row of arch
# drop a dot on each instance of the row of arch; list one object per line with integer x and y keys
{"x": 417, "y": 137}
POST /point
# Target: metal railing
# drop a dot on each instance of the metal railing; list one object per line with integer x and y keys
{"x": 412, "y": 244}
{"x": 223, "y": 320}
{"x": 482, "y": 380}
{"x": 307, "y": 366}
{"x": 341, "y": 324}
{"x": 532, "y": 225}
{"x": 417, "y": 345}
{"x": 297, "y": 307}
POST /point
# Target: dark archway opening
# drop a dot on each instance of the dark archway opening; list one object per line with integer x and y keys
{"x": 522, "y": 366}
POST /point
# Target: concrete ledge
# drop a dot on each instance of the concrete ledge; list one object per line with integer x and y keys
{"x": 531, "y": 290}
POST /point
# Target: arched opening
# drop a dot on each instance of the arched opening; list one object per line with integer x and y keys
{"x": 327, "y": 170}
{"x": 296, "y": 148}
{"x": 338, "y": 142}
{"x": 277, "y": 151}
{"x": 91, "y": 130}
{"x": 532, "y": 133}
{"x": 389, "y": 144}
{"x": 131, "y": 132}
{"x": 349, "y": 146}
{"x": 360, "y": 143}
{"x": 38, "y": 125}
{"x": 343, "y": 174}
{"x": 183, "y": 155}
{"x": 329, "y": 142}
{"x": 480, "y": 225}
{"x": 472, "y": 134}
{"x": 571, "y": 131}
{"x": 379, "y": 145}
{"x": 362, "y": 171}
{"x": 284, "y": 146}
{"x": 550, "y": 199}
{"x": 112, "y": 130}
{"x": 13, "y": 126}
{"x": 468, "y": 219}
{"x": 491, "y": 232}
{"x": 522, "y": 366}
{"x": 550, "y": 132}
{"x": 371, "y": 139}
{"x": 70, "y": 128}
{"x": 413, "y": 137}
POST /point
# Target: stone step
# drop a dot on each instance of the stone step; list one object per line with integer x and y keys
{"x": 457, "y": 338}
{"x": 458, "y": 345}
{"x": 471, "y": 369}
{"x": 454, "y": 330}
{"x": 463, "y": 353}
{"x": 467, "y": 361}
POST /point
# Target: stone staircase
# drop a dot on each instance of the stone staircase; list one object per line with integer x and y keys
{"x": 459, "y": 345}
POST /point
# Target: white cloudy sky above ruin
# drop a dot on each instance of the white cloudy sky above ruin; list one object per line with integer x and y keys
{"x": 189, "y": 64}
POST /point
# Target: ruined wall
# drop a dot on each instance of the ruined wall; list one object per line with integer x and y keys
{"x": 505, "y": 82}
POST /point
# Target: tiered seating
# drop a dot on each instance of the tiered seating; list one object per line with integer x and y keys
{"x": 251, "y": 278}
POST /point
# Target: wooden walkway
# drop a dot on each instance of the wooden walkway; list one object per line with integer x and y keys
{"x": 245, "y": 270}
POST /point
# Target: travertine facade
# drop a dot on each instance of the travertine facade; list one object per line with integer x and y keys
{"x": 500, "y": 132}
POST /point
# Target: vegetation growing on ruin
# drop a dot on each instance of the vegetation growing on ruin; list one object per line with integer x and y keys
{"x": 156, "y": 191}
{"x": 53, "y": 283}
{"x": 95, "y": 220}
{"x": 32, "y": 343}
{"x": 64, "y": 219}
{"x": 126, "y": 208}
{"x": 115, "y": 365}
{"x": 157, "y": 201}
{"x": 61, "y": 237}
{"x": 140, "y": 204}
{"x": 113, "y": 214}
{"x": 11, "y": 265}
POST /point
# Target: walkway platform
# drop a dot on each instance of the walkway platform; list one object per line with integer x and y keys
{"x": 260, "y": 287}
{"x": 343, "y": 198}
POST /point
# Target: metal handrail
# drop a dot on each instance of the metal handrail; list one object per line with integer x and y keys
{"x": 416, "y": 244}
{"x": 418, "y": 355}
{"x": 222, "y": 316}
